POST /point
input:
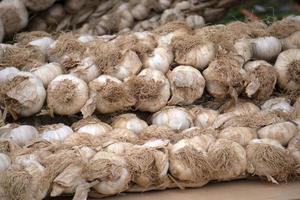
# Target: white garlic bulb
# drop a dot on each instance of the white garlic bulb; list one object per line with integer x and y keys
{"x": 266, "y": 48}
{"x": 187, "y": 85}
{"x": 23, "y": 94}
{"x": 67, "y": 94}
{"x": 118, "y": 147}
{"x": 55, "y": 132}
{"x": 241, "y": 135}
{"x": 43, "y": 44}
{"x": 14, "y": 15}
{"x": 195, "y": 21}
{"x": 243, "y": 47}
{"x": 287, "y": 67}
{"x": 86, "y": 70}
{"x": 47, "y": 72}
{"x": 92, "y": 126}
{"x": 277, "y": 104}
{"x": 177, "y": 118}
{"x": 198, "y": 139}
{"x": 151, "y": 90}
{"x": 110, "y": 94}
{"x": 292, "y": 41}
{"x": 129, "y": 121}
{"x": 233, "y": 162}
{"x": 5, "y": 161}
{"x": 19, "y": 134}
{"x": 85, "y": 38}
{"x": 160, "y": 59}
{"x": 7, "y": 73}
{"x": 282, "y": 132}
{"x": 204, "y": 117}
{"x": 38, "y": 5}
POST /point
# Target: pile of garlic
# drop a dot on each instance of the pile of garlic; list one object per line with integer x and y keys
{"x": 171, "y": 108}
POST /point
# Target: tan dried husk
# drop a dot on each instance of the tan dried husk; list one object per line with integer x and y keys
{"x": 26, "y": 37}
{"x": 284, "y": 27}
{"x": 8, "y": 147}
{"x": 294, "y": 71}
{"x": 24, "y": 57}
{"x": 190, "y": 133}
{"x": 123, "y": 135}
{"x": 83, "y": 139}
{"x": 156, "y": 132}
{"x": 171, "y": 27}
{"x": 270, "y": 161}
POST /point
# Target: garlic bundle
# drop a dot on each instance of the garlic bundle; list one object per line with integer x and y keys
{"x": 187, "y": 85}
{"x": 7, "y": 73}
{"x": 191, "y": 50}
{"x": 266, "y": 48}
{"x": 148, "y": 165}
{"x": 55, "y": 132}
{"x": 14, "y": 15}
{"x": 160, "y": 59}
{"x": 177, "y": 118}
{"x": 151, "y": 90}
{"x": 270, "y": 161}
{"x": 261, "y": 79}
{"x": 85, "y": 70}
{"x": 38, "y": 5}
{"x": 189, "y": 163}
{"x": 101, "y": 167}
{"x": 92, "y": 126}
{"x": 43, "y": 43}
{"x": 294, "y": 147}
{"x": 277, "y": 104}
{"x": 129, "y": 121}
{"x": 203, "y": 117}
{"x": 23, "y": 94}
{"x": 292, "y": 41}
{"x": 47, "y": 72}
{"x": 224, "y": 76}
{"x": 19, "y": 134}
{"x": 153, "y": 132}
{"x": 67, "y": 94}
{"x": 241, "y": 135}
{"x": 228, "y": 158}
{"x": 282, "y": 132}
{"x": 5, "y": 161}
{"x": 287, "y": 67}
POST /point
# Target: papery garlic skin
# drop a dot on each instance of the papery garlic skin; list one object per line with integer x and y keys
{"x": 160, "y": 59}
{"x": 195, "y": 21}
{"x": 282, "y": 132}
{"x": 241, "y": 135}
{"x": 203, "y": 117}
{"x": 199, "y": 141}
{"x": 67, "y": 94}
{"x": 5, "y": 162}
{"x": 129, "y": 121}
{"x": 42, "y": 43}
{"x": 266, "y": 141}
{"x": 252, "y": 65}
{"x": 6, "y": 73}
{"x": 243, "y": 47}
{"x": 118, "y": 147}
{"x": 55, "y": 132}
{"x": 47, "y": 72}
{"x": 266, "y": 48}
{"x": 292, "y": 41}
{"x": 187, "y": 85}
{"x": 287, "y": 67}
{"x": 96, "y": 129}
{"x": 277, "y": 104}
{"x": 242, "y": 108}
{"x": 86, "y": 70}
{"x": 176, "y": 118}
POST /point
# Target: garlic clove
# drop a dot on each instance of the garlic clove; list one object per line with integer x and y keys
{"x": 67, "y": 94}
{"x": 187, "y": 85}
{"x": 55, "y": 132}
{"x": 129, "y": 121}
{"x": 266, "y": 48}
{"x": 47, "y": 72}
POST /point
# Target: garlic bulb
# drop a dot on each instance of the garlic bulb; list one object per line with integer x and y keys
{"x": 43, "y": 43}
{"x": 189, "y": 163}
{"x": 85, "y": 70}
{"x": 195, "y": 21}
{"x": 203, "y": 117}
{"x": 110, "y": 94}
{"x": 151, "y": 89}
{"x": 118, "y": 147}
{"x": 277, "y": 104}
{"x": 86, "y": 38}
{"x": 287, "y": 67}
{"x": 14, "y": 15}
{"x": 266, "y": 141}
{"x": 266, "y": 48}
{"x": 191, "y": 50}
{"x": 5, "y": 161}
{"x": 129, "y": 121}
{"x": 67, "y": 94}
{"x": 47, "y": 72}
{"x": 228, "y": 158}
{"x": 23, "y": 94}
{"x": 187, "y": 85}
{"x": 54, "y": 14}
{"x": 294, "y": 148}
{"x": 261, "y": 79}
{"x": 92, "y": 126}
{"x": 19, "y": 134}
{"x": 292, "y": 41}
{"x": 160, "y": 59}
{"x": 285, "y": 27}
{"x": 243, "y": 47}
{"x": 55, "y": 132}
{"x": 270, "y": 161}
{"x": 242, "y": 108}
{"x": 38, "y": 5}
{"x": 241, "y": 135}
{"x": 177, "y": 118}
{"x": 224, "y": 76}
{"x": 7, "y": 73}
{"x": 198, "y": 139}
{"x": 282, "y": 132}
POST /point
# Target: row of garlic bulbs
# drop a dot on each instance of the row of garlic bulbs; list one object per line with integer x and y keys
{"x": 141, "y": 157}
{"x": 120, "y": 59}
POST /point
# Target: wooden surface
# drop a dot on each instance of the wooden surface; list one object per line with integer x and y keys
{"x": 239, "y": 189}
